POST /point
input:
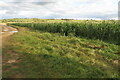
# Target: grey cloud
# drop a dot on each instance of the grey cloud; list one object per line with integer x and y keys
{"x": 102, "y": 16}
{"x": 39, "y": 7}
{"x": 42, "y": 3}
{"x": 36, "y": 3}
{"x": 12, "y": 12}
{"x": 29, "y": 0}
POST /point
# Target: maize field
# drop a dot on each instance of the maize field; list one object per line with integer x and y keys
{"x": 105, "y": 30}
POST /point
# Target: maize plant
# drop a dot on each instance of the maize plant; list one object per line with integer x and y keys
{"x": 105, "y": 30}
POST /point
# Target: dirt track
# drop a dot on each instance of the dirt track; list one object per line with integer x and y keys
{"x": 8, "y": 56}
{"x": 5, "y": 32}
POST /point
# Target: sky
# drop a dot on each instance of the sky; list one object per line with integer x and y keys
{"x": 57, "y": 9}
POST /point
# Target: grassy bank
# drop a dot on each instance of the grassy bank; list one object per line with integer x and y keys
{"x": 51, "y": 55}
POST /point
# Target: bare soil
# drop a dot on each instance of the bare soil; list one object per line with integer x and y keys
{"x": 8, "y": 57}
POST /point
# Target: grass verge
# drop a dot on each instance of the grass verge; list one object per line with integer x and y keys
{"x": 48, "y": 55}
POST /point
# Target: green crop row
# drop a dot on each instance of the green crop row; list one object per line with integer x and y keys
{"x": 105, "y": 30}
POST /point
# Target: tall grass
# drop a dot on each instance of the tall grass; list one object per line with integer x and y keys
{"x": 104, "y": 30}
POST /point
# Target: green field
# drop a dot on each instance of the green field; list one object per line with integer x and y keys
{"x": 67, "y": 49}
{"x": 106, "y": 30}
